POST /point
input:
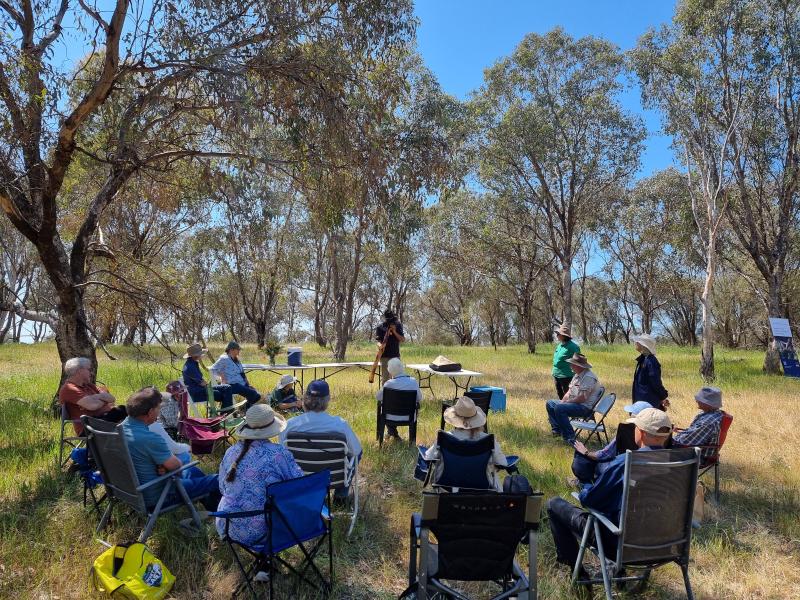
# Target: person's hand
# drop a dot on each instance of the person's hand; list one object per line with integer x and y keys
{"x": 203, "y": 383}
{"x": 161, "y": 470}
{"x": 665, "y": 403}
{"x": 580, "y": 447}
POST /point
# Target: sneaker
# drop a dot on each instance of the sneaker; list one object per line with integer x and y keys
{"x": 262, "y": 577}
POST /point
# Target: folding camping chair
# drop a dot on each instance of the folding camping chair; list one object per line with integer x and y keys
{"x": 90, "y": 477}
{"x": 66, "y": 440}
{"x": 481, "y": 399}
{"x": 477, "y": 536}
{"x": 595, "y": 426}
{"x": 109, "y": 449}
{"x": 655, "y": 524}
{"x": 464, "y": 464}
{"x": 398, "y": 408}
{"x": 709, "y": 454}
{"x": 315, "y": 452}
{"x": 296, "y": 512}
{"x": 202, "y": 433}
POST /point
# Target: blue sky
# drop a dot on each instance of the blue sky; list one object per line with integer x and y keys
{"x": 458, "y": 39}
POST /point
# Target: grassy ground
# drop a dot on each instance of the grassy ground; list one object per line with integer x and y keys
{"x": 750, "y": 550}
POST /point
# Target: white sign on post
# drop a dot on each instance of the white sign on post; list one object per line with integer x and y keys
{"x": 780, "y": 327}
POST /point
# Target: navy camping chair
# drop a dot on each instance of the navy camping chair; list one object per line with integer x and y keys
{"x": 464, "y": 463}
{"x": 296, "y": 512}
{"x": 90, "y": 477}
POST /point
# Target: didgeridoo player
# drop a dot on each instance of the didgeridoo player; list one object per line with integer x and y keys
{"x": 394, "y": 328}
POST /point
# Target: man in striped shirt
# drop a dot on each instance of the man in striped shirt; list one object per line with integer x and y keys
{"x": 704, "y": 429}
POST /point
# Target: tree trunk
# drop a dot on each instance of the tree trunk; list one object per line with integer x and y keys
{"x": 72, "y": 335}
{"x": 775, "y": 308}
{"x": 707, "y": 353}
{"x": 566, "y": 285}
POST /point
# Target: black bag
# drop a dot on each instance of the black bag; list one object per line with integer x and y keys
{"x": 442, "y": 364}
{"x": 517, "y": 484}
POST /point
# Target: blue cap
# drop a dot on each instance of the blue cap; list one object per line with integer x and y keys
{"x": 318, "y": 389}
{"x": 637, "y": 407}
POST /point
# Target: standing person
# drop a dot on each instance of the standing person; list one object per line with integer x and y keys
{"x": 231, "y": 373}
{"x": 647, "y": 386}
{"x": 396, "y": 337}
{"x": 196, "y": 385}
{"x": 578, "y": 401}
{"x": 566, "y": 348}
{"x": 82, "y": 397}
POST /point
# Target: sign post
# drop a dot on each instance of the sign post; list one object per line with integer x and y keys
{"x": 782, "y": 333}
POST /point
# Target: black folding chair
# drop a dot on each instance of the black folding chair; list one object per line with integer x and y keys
{"x": 315, "y": 452}
{"x": 477, "y": 535}
{"x": 68, "y": 441}
{"x": 481, "y": 399}
{"x": 398, "y": 408}
{"x": 109, "y": 449}
{"x": 296, "y": 512}
{"x": 655, "y": 525}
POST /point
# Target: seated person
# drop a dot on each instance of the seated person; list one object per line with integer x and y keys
{"x": 196, "y": 385}
{"x": 169, "y": 414}
{"x": 399, "y": 381}
{"x": 82, "y": 397}
{"x": 152, "y": 457}
{"x": 468, "y": 421}
{"x": 232, "y": 377}
{"x": 704, "y": 428}
{"x": 315, "y": 419}
{"x": 588, "y": 465}
{"x": 579, "y": 400}
{"x": 283, "y": 397}
{"x": 248, "y": 467}
{"x": 567, "y": 521}
{"x": 179, "y": 449}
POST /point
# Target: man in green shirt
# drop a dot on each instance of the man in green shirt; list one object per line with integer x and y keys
{"x": 565, "y": 349}
{"x": 283, "y": 397}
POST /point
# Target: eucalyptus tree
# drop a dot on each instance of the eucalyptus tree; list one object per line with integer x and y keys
{"x": 552, "y": 134}
{"x": 178, "y": 70}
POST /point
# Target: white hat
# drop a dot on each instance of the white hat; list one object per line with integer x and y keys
{"x": 465, "y": 415}
{"x": 284, "y": 381}
{"x": 646, "y": 340}
{"x": 653, "y": 421}
{"x": 260, "y": 423}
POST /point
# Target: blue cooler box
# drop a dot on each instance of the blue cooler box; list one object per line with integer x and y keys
{"x": 498, "y": 399}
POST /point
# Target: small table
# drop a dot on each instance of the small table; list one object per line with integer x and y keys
{"x": 425, "y": 373}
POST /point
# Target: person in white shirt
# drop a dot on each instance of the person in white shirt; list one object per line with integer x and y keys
{"x": 233, "y": 379}
{"x": 399, "y": 381}
{"x": 316, "y": 419}
{"x": 468, "y": 421}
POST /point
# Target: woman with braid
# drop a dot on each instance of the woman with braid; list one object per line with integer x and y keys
{"x": 248, "y": 467}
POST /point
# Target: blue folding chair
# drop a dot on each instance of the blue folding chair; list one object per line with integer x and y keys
{"x": 90, "y": 477}
{"x": 464, "y": 463}
{"x": 296, "y": 511}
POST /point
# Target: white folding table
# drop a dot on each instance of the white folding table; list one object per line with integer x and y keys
{"x": 425, "y": 373}
{"x": 327, "y": 369}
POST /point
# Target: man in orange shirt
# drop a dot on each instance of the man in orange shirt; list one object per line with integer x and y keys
{"x": 82, "y": 397}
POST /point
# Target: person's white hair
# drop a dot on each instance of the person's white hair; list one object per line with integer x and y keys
{"x": 395, "y": 367}
{"x": 316, "y": 403}
{"x": 73, "y": 365}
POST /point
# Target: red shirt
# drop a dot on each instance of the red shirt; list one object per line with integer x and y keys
{"x": 69, "y": 394}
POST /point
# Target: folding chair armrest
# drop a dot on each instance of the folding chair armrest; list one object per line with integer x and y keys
{"x": 167, "y": 475}
{"x": 511, "y": 463}
{"x": 221, "y": 514}
{"x": 604, "y": 520}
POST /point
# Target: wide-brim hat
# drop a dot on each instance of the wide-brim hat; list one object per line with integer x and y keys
{"x": 646, "y": 340}
{"x": 564, "y": 330}
{"x": 195, "y": 350}
{"x": 284, "y": 381}
{"x": 579, "y": 360}
{"x": 441, "y": 361}
{"x": 710, "y": 396}
{"x": 260, "y": 423}
{"x": 465, "y": 415}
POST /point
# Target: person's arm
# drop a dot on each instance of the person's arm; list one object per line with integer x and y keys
{"x": 498, "y": 458}
{"x": 398, "y": 332}
{"x": 379, "y": 394}
{"x": 193, "y": 376}
{"x": 352, "y": 441}
{"x": 654, "y": 379}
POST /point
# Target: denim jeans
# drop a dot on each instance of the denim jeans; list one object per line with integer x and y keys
{"x": 567, "y": 522}
{"x": 222, "y": 394}
{"x": 196, "y": 483}
{"x": 249, "y": 393}
{"x": 559, "y": 414}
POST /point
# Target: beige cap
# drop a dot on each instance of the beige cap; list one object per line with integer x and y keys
{"x": 652, "y": 421}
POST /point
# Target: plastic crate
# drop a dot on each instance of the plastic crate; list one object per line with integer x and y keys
{"x": 498, "y": 400}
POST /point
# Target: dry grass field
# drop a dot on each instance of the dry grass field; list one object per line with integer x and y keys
{"x": 750, "y": 549}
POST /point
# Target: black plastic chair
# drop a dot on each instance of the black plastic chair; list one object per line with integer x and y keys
{"x": 481, "y": 399}
{"x": 398, "y": 408}
{"x": 655, "y": 526}
{"x": 477, "y": 535}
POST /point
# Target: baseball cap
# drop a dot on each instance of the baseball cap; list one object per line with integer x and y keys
{"x": 637, "y": 407}
{"x": 652, "y": 421}
{"x": 318, "y": 389}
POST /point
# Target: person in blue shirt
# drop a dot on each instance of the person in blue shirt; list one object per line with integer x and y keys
{"x": 197, "y": 386}
{"x": 233, "y": 379}
{"x": 152, "y": 457}
{"x": 567, "y": 521}
{"x": 647, "y": 386}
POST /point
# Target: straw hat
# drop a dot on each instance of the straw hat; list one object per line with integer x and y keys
{"x": 285, "y": 380}
{"x": 465, "y": 415}
{"x": 564, "y": 330}
{"x": 579, "y": 360}
{"x": 441, "y": 361}
{"x": 195, "y": 350}
{"x": 646, "y": 340}
{"x": 260, "y": 423}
